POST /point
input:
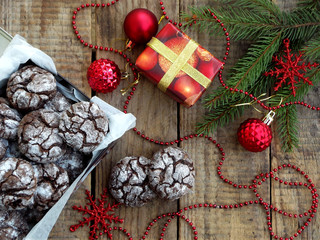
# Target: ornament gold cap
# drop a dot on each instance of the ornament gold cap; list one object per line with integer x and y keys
{"x": 269, "y": 118}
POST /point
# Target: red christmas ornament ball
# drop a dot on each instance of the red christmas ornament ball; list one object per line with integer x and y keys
{"x": 103, "y": 75}
{"x": 140, "y": 25}
{"x": 254, "y": 135}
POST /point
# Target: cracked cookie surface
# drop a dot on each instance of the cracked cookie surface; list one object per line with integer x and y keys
{"x": 83, "y": 126}
{"x": 52, "y": 182}
{"x": 38, "y": 136}
{"x": 30, "y": 88}
{"x": 128, "y": 182}
{"x": 17, "y": 183}
{"x": 58, "y": 103}
{"x": 171, "y": 173}
{"x": 9, "y": 120}
{"x": 12, "y": 225}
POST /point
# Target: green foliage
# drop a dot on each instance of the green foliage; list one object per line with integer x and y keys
{"x": 309, "y": 4}
{"x": 242, "y": 23}
{"x": 300, "y": 24}
{"x": 312, "y": 49}
{"x": 287, "y": 127}
{"x": 263, "y": 24}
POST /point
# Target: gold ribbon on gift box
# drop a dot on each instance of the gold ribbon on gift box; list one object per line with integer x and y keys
{"x": 179, "y": 62}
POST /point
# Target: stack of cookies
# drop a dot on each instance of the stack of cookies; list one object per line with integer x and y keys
{"x": 44, "y": 139}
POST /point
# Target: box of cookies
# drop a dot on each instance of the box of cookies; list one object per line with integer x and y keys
{"x": 51, "y": 137}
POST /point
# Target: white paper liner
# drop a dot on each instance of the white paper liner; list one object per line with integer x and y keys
{"x": 19, "y": 52}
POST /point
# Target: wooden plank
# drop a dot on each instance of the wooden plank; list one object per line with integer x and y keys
{"x": 47, "y": 26}
{"x": 240, "y": 166}
{"x": 297, "y": 199}
{"x": 156, "y": 116}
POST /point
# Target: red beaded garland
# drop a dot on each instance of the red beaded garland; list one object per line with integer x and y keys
{"x": 255, "y": 183}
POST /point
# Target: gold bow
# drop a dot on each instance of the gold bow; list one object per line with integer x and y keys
{"x": 179, "y": 62}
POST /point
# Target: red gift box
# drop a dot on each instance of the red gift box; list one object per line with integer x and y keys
{"x": 178, "y": 65}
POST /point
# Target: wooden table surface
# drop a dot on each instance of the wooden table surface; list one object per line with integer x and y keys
{"x": 47, "y": 25}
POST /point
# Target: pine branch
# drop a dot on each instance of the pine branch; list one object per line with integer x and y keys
{"x": 245, "y": 22}
{"x": 264, "y": 23}
{"x": 223, "y": 114}
{"x": 300, "y": 23}
{"x": 226, "y": 111}
{"x": 287, "y": 122}
{"x": 287, "y": 127}
{"x": 285, "y": 94}
{"x": 248, "y": 69}
{"x": 309, "y": 4}
{"x": 312, "y": 49}
{"x": 257, "y": 5}
{"x": 242, "y": 23}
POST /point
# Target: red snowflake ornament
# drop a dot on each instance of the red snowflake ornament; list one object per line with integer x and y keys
{"x": 98, "y": 214}
{"x": 290, "y": 70}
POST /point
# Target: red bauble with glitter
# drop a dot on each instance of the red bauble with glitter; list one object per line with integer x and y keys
{"x": 140, "y": 25}
{"x": 103, "y": 75}
{"x": 254, "y": 134}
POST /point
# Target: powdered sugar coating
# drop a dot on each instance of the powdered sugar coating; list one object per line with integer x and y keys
{"x": 17, "y": 183}
{"x": 58, "y": 103}
{"x": 30, "y": 87}
{"x": 9, "y": 120}
{"x": 52, "y": 182}
{"x": 128, "y": 181}
{"x": 12, "y": 225}
{"x": 73, "y": 162}
{"x": 83, "y": 126}
{"x": 171, "y": 173}
{"x": 38, "y": 136}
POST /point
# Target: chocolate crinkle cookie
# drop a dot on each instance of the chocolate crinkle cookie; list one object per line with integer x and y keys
{"x": 38, "y": 136}
{"x": 58, "y": 103}
{"x": 52, "y": 182}
{"x": 17, "y": 184}
{"x": 12, "y": 225}
{"x": 128, "y": 182}
{"x": 171, "y": 173}
{"x": 83, "y": 126}
{"x": 30, "y": 88}
{"x": 9, "y": 120}
{"x": 73, "y": 162}
{"x": 3, "y": 147}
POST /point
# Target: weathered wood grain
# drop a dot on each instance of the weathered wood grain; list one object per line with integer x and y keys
{"x": 156, "y": 115}
{"x": 297, "y": 199}
{"x": 47, "y": 25}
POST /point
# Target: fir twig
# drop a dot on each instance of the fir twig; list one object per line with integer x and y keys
{"x": 222, "y": 115}
{"x": 242, "y": 23}
{"x": 312, "y": 49}
{"x": 226, "y": 111}
{"x": 309, "y": 4}
{"x": 248, "y": 69}
{"x": 266, "y": 25}
{"x": 287, "y": 125}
